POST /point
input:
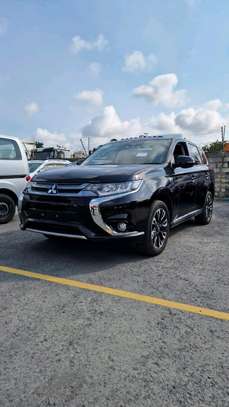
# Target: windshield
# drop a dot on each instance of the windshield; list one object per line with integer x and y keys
{"x": 130, "y": 152}
{"x": 34, "y": 166}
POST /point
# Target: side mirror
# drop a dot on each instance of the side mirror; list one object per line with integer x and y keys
{"x": 184, "y": 161}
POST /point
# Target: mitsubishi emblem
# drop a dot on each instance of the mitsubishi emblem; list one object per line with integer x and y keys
{"x": 53, "y": 189}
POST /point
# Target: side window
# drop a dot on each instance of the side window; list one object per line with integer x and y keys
{"x": 52, "y": 167}
{"x": 180, "y": 149}
{"x": 194, "y": 153}
{"x": 203, "y": 156}
{"x": 9, "y": 150}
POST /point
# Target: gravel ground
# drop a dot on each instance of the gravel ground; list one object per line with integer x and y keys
{"x": 62, "y": 346}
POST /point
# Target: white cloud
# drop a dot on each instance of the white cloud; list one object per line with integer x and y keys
{"x": 214, "y": 104}
{"x": 92, "y": 97}
{"x": 164, "y": 123}
{"x": 31, "y": 108}
{"x": 78, "y": 44}
{"x": 201, "y": 124}
{"x": 137, "y": 62}
{"x": 194, "y": 122}
{"x": 199, "y": 121}
{"x": 51, "y": 138}
{"x": 161, "y": 91}
{"x": 3, "y": 26}
{"x": 95, "y": 68}
{"x": 109, "y": 125}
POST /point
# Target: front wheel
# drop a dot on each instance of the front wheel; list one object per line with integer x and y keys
{"x": 157, "y": 229}
{"x": 7, "y": 208}
{"x": 205, "y": 217}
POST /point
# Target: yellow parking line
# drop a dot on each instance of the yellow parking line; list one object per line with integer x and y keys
{"x": 120, "y": 293}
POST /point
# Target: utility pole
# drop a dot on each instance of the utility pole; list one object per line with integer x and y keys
{"x": 223, "y": 131}
{"x": 88, "y": 145}
{"x": 81, "y": 140}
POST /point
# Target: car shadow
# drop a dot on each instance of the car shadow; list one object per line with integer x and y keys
{"x": 183, "y": 226}
{"x": 70, "y": 257}
{"x": 64, "y": 257}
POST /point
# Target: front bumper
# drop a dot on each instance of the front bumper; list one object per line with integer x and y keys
{"x": 82, "y": 217}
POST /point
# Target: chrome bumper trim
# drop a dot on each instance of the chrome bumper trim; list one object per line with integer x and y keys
{"x": 94, "y": 207}
{"x": 44, "y": 232}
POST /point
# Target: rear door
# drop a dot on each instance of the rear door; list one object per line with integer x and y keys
{"x": 11, "y": 159}
{"x": 13, "y": 165}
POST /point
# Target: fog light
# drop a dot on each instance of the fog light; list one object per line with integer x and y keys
{"x": 121, "y": 227}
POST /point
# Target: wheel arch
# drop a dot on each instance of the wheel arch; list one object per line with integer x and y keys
{"x": 212, "y": 189}
{"x": 165, "y": 196}
{"x": 9, "y": 193}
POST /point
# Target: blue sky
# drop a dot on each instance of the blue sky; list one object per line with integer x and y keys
{"x": 84, "y": 67}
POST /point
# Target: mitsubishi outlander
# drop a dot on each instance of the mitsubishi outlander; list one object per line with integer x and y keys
{"x": 137, "y": 188}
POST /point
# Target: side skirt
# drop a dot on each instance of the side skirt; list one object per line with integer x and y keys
{"x": 185, "y": 217}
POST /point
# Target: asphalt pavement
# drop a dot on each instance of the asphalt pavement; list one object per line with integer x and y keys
{"x": 63, "y": 346}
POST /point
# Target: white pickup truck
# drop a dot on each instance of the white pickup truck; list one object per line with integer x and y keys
{"x": 13, "y": 172}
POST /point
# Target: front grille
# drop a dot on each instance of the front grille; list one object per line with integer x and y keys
{"x": 51, "y": 208}
{"x": 63, "y": 213}
{"x": 64, "y": 210}
{"x": 56, "y": 188}
{"x": 60, "y": 205}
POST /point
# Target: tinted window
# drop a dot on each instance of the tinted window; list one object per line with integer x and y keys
{"x": 34, "y": 166}
{"x": 203, "y": 156}
{"x": 9, "y": 150}
{"x": 180, "y": 149}
{"x": 130, "y": 152}
{"x": 194, "y": 153}
{"x": 52, "y": 167}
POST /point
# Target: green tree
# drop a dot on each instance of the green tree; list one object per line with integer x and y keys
{"x": 215, "y": 147}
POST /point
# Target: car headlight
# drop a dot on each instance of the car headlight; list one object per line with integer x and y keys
{"x": 114, "y": 188}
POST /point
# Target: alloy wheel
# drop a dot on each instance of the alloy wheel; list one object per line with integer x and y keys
{"x": 209, "y": 206}
{"x": 159, "y": 228}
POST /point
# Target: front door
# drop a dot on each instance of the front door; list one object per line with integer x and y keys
{"x": 184, "y": 185}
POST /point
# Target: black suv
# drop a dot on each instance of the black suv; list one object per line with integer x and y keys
{"x": 135, "y": 188}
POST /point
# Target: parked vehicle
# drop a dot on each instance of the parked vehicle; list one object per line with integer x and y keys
{"x": 46, "y": 153}
{"x": 135, "y": 188}
{"x": 36, "y": 166}
{"x": 13, "y": 172}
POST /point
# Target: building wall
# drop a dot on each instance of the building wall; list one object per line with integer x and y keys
{"x": 220, "y": 163}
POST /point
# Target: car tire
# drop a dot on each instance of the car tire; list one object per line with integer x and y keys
{"x": 7, "y": 208}
{"x": 205, "y": 217}
{"x": 157, "y": 229}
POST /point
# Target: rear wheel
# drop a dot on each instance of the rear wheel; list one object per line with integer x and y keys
{"x": 157, "y": 229}
{"x": 205, "y": 217}
{"x": 7, "y": 208}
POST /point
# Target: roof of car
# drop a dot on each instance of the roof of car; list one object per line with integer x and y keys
{"x": 10, "y": 137}
{"x": 147, "y": 136}
{"x": 50, "y": 161}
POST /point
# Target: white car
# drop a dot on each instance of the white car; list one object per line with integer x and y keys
{"x": 37, "y": 166}
{"x": 13, "y": 172}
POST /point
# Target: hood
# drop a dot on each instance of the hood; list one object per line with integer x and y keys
{"x": 95, "y": 173}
